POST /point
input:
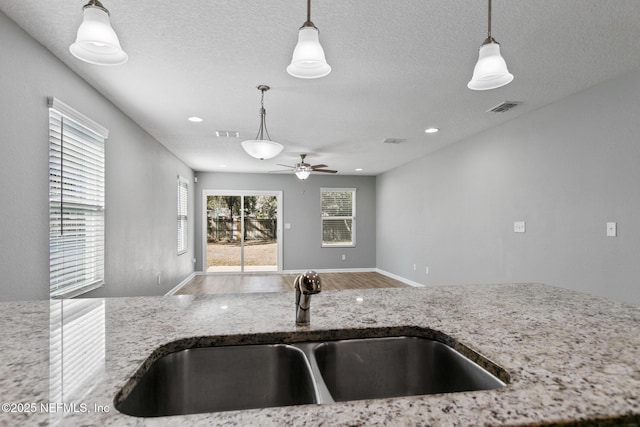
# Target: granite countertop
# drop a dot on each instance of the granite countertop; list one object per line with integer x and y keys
{"x": 572, "y": 358}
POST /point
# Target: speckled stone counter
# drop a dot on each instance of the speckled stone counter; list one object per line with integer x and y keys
{"x": 572, "y": 358}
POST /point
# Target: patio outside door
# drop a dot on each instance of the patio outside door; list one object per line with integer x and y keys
{"x": 243, "y": 231}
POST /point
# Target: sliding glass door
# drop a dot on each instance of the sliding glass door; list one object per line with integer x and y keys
{"x": 242, "y": 231}
{"x": 224, "y": 233}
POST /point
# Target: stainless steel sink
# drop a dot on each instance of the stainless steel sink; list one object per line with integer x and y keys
{"x": 397, "y": 366}
{"x": 222, "y": 379}
{"x": 239, "y": 377}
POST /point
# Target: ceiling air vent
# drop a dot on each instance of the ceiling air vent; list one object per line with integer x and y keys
{"x": 504, "y": 106}
{"x": 393, "y": 140}
{"x": 227, "y": 134}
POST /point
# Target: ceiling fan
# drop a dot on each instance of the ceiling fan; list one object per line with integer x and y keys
{"x": 303, "y": 170}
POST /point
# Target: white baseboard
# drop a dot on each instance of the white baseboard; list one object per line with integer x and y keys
{"x": 181, "y": 284}
{"x": 332, "y": 270}
{"x": 400, "y": 278}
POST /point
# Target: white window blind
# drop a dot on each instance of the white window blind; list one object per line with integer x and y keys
{"x": 183, "y": 203}
{"x": 338, "y": 212}
{"x": 76, "y": 202}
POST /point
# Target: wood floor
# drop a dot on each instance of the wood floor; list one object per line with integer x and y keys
{"x": 248, "y": 283}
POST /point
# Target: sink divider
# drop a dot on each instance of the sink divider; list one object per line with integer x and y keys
{"x": 323, "y": 395}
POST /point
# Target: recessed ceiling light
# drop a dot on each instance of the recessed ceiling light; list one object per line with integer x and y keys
{"x": 195, "y": 119}
{"x": 431, "y": 130}
{"x": 359, "y": 170}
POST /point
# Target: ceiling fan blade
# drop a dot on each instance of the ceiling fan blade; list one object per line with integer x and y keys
{"x": 286, "y": 166}
{"x": 319, "y": 166}
{"x": 324, "y": 170}
{"x": 281, "y": 171}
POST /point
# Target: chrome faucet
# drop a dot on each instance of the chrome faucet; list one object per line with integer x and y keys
{"x": 306, "y": 285}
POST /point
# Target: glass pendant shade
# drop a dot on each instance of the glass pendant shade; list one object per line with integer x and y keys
{"x": 262, "y": 148}
{"x": 303, "y": 174}
{"x": 96, "y": 42}
{"x": 490, "y": 71}
{"x": 308, "y": 61}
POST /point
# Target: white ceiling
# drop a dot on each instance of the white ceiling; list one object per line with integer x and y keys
{"x": 398, "y": 67}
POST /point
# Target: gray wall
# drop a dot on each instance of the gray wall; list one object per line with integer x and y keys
{"x": 301, "y": 209}
{"x": 565, "y": 169}
{"x": 140, "y": 181}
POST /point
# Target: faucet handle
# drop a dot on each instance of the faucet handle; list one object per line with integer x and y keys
{"x": 309, "y": 283}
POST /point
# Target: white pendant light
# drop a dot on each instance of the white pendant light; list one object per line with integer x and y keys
{"x": 96, "y": 42}
{"x": 261, "y": 148}
{"x": 308, "y": 61}
{"x": 490, "y": 71}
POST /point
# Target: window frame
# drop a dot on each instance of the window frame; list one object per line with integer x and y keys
{"x": 77, "y": 165}
{"x": 182, "y": 215}
{"x": 351, "y": 217}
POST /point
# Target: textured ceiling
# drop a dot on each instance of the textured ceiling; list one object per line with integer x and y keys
{"x": 398, "y": 67}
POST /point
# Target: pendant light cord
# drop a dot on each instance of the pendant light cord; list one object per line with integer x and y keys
{"x": 489, "y": 31}
{"x": 308, "y": 22}
{"x": 489, "y": 38}
{"x": 263, "y": 114}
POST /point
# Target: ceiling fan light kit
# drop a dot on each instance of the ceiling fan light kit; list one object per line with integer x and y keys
{"x": 308, "y": 60}
{"x": 303, "y": 169}
{"x": 303, "y": 174}
{"x": 96, "y": 41}
{"x": 262, "y": 148}
{"x": 491, "y": 70}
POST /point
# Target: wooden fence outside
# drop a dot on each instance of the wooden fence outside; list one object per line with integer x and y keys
{"x": 230, "y": 229}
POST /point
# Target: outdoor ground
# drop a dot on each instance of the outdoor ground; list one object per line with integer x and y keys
{"x": 255, "y": 253}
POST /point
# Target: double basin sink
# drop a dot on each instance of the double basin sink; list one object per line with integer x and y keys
{"x": 236, "y": 377}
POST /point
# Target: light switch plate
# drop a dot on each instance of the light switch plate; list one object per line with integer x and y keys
{"x": 612, "y": 229}
{"x": 518, "y": 227}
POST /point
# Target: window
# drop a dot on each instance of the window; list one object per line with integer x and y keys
{"x": 76, "y": 202}
{"x": 183, "y": 193}
{"x": 338, "y": 212}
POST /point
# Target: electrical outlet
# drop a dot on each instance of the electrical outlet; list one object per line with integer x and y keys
{"x": 344, "y": 257}
{"x": 612, "y": 229}
{"x": 519, "y": 227}
{"x": 414, "y": 267}
{"x": 426, "y": 270}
